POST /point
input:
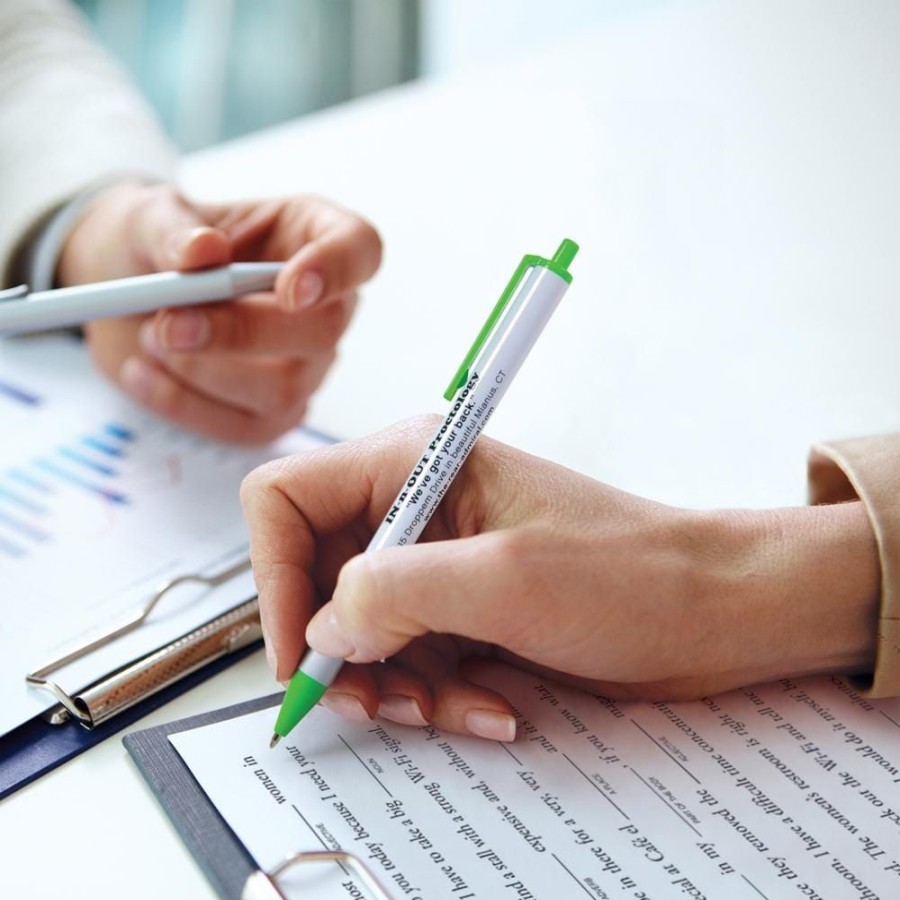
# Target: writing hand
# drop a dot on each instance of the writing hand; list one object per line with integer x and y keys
{"x": 242, "y": 370}
{"x": 550, "y": 571}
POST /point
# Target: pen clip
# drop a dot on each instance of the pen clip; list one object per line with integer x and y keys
{"x": 19, "y": 292}
{"x": 462, "y": 373}
{"x": 559, "y": 264}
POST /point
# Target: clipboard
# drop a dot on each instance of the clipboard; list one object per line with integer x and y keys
{"x": 125, "y": 695}
{"x": 226, "y": 863}
{"x": 122, "y": 696}
{"x": 38, "y": 747}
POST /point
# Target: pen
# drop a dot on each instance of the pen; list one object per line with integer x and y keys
{"x": 21, "y": 311}
{"x": 519, "y": 316}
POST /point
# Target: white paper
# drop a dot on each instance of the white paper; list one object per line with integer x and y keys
{"x": 789, "y": 790}
{"x": 100, "y": 504}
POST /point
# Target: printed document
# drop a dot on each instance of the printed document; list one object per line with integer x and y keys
{"x": 785, "y": 791}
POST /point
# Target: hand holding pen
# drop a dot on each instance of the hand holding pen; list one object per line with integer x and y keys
{"x": 524, "y": 308}
{"x": 244, "y": 370}
{"x": 530, "y": 565}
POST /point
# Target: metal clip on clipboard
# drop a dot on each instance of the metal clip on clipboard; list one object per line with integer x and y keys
{"x": 137, "y": 680}
{"x": 264, "y": 886}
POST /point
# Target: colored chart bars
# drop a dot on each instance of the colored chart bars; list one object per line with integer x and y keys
{"x": 31, "y": 494}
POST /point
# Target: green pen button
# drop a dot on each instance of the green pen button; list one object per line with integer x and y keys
{"x": 563, "y": 257}
{"x": 559, "y": 265}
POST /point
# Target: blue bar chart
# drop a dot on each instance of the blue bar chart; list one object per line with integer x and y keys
{"x": 33, "y": 492}
{"x": 17, "y": 394}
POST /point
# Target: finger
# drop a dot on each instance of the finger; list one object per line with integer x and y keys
{"x": 281, "y": 549}
{"x": 255, "y": 324}
{"x": 385, "y": 599}
{"x": 283, "y": 541}
{"x": 162, "y": 391}
{"x": 354, "y": 694}
{"x": 171, "y": 233}
{"x": 273, "y": 388}
{"x": 340, "y": 253}
{"x": 329, "y": 250}
{"x": 383, "y": 690}
{"x": 424, "y": 690}
{"x": 459, "y": 704}
{"x": 334, "y": 486}
{"x": 306, "y": 515}
{"x": 403, "y": 696}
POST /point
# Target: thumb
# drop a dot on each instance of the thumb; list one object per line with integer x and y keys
{"x": 385, "y": 599}
{"x": 174, "y": 236}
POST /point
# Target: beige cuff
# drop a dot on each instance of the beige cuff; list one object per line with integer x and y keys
{"x": 868, "y": 468}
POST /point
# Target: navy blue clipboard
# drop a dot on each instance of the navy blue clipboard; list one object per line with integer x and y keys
{"x": 35, "y": 748}
{"x": 215, "y": 847}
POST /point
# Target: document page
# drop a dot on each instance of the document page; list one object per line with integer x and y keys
{"x": 101, "y": 503}
{"x": 789, "y": 790}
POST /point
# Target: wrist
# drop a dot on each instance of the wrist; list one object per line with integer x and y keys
{"x": 799, "y": 587}
{"x": 86, "y": 252}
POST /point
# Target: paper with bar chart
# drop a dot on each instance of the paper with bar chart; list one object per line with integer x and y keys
{"x": 100, "y": 504}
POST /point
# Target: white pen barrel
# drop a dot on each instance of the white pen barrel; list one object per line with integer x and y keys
{"x": 492, "y": 374}
{"x": 128, "y": 296}
{"x": 505, "y": 352}
{"x": 47, "y": 309}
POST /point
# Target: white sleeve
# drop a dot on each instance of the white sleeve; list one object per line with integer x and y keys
{"x": 69, "y": 120}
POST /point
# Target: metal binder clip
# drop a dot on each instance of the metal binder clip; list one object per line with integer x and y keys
{"x": 75, "y": 707}
{"x": 263, "y": 885}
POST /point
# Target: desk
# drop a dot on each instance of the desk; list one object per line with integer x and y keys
{"x": 730, "y": 172}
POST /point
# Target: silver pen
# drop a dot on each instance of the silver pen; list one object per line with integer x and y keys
{"x": 21, "y": 311}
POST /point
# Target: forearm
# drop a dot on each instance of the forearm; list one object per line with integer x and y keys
{"x": 800, "y": 588}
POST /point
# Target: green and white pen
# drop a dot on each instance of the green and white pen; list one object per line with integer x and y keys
{"x": 516, "y": 321}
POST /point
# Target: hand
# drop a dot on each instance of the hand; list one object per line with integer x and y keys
{"x": 242, "y": 370}
{"x": 549, "y": 571}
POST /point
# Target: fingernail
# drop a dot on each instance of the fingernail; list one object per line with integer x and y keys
{"x": 307, "y": 289}
{"x": 188, "y": 330}
{"x": 404, "y": 710}
{"x": 345, "y": 705}
{"x": 324, "y": 636}
{"x": 137, "y": 377}
{"x": 178, "y": 242}
{"x": 492, "y": 725}
{"x": 148, "y": 339}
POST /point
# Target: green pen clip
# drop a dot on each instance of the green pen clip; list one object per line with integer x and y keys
{"x": 559, "y": 264}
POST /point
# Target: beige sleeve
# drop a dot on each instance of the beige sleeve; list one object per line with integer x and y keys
{"x": 69, "y": 119}
{"x": 869, "y": 469}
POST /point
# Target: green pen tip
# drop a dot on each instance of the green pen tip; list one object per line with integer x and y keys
{"x": 565, "y": 253}
{"x": 303, "y": 693}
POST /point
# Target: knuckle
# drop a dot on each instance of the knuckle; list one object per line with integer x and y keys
{"x": 335, "y": 319}
{"x": 513, "y": 551}
{"x": 259, "y": 481}
{"x": 235, "y": 331}
{"x": 422, "y": 424}
{"x": 166, "y": 395}
{"x": 371, "y": 240}
{"x": 160, "y": 199}
{"x": 289, "y": 391}
{"x": 257, "y": 431}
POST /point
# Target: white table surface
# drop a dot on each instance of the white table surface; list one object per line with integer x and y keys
{"x": 730, "y": 171}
